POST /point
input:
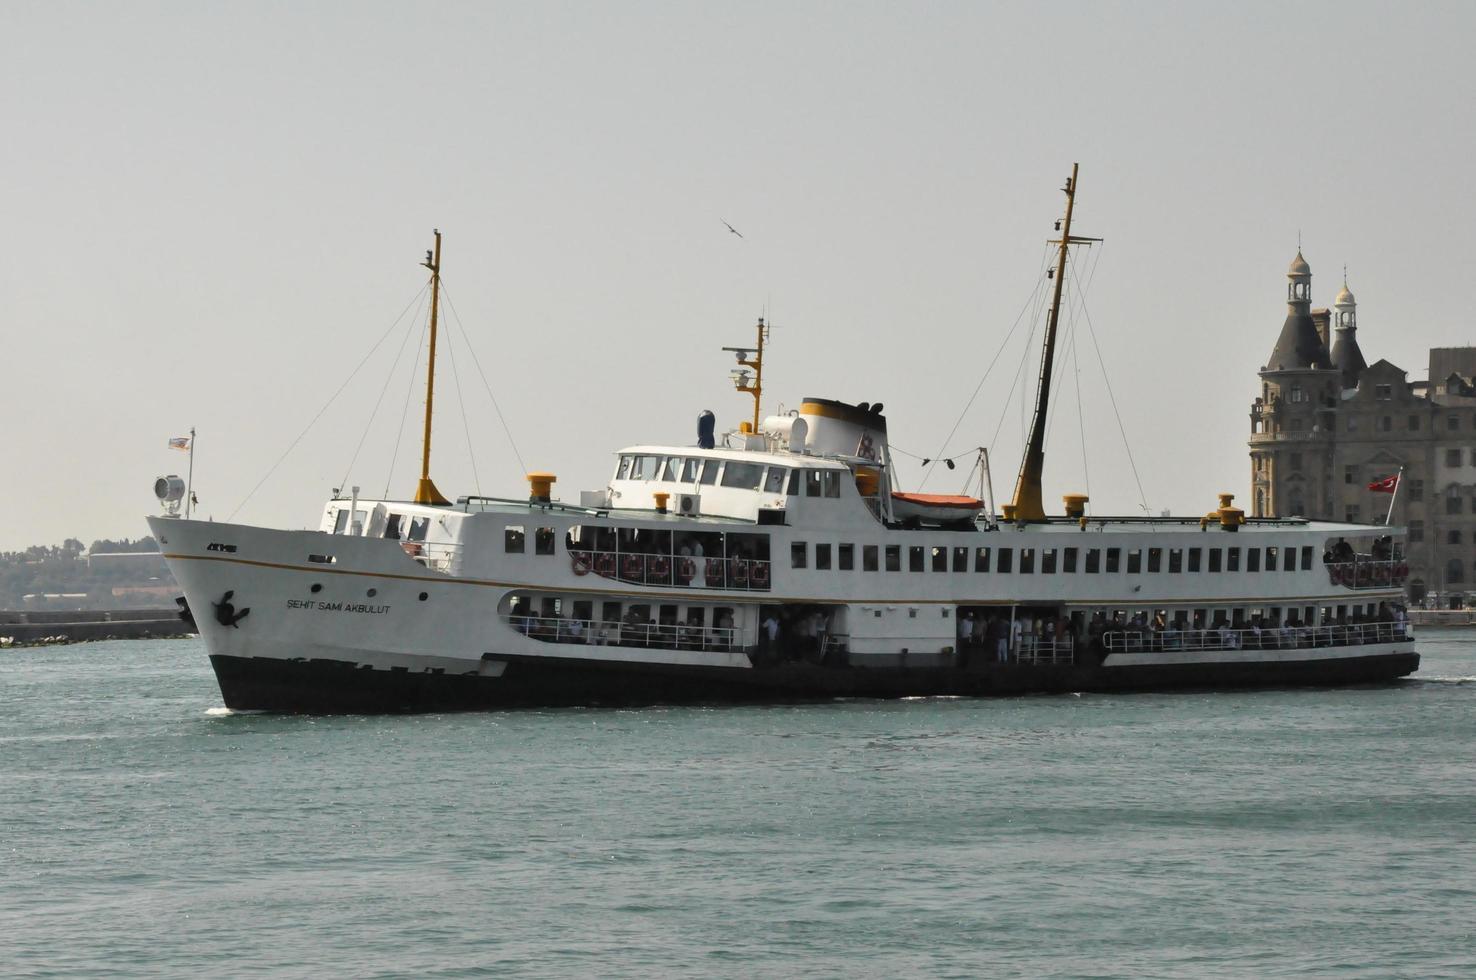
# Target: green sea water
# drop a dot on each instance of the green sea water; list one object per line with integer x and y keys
{"x": 145, "y": 831}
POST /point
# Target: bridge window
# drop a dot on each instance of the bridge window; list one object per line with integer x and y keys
{"x": 645, "y": 467}
{"x": 822, "y": 557}
{"x": 690, "y": 469}
{"x": 543, "y": 541}
{"x": 832, "y": 480}
{"x": 623, "y": 471}
{"x": 846, "y": 557}
{"x": 669, "y": 473}
{"x": 710, "y": 469}
{"x": 419, "y": 528}
{"x": 812, "y": 483}
{"x": 743, "y": 476}
{"x": 512, "y": 539}
{"x": 868, "y": 558}
{"x": 774, "y": 479}
{"x": 894, "y": 558}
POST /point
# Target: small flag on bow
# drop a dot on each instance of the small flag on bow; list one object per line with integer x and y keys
{"x": 182, "y": 443}
{"x": 1386, "y": 485}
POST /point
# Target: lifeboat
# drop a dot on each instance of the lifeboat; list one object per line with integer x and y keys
{"x": 935, "y": 508}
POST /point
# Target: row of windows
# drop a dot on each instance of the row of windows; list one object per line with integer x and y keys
{"x": 743, "y": 476}
{"x": 1048, "y": 561}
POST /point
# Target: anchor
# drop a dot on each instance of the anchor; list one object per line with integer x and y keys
{"x": 225, "y": 612}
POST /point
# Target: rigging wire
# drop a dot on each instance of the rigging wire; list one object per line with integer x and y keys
{"x": 1034, "y": 295}
{"x": 405, "y": 412}
{"x": 384, "y": 390}
{"x": 1142, "y": 498}
{"x": 461, "y": 401}
{"x": 329, "y": 402}
{"x": 478, "y": 362}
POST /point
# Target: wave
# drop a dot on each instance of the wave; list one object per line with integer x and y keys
{"x": 219, "y": 712}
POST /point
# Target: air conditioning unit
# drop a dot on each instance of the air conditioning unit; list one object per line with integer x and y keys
{"x": 687, "y": 504}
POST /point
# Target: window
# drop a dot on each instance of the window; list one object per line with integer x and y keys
{"x": 1193, "y": 559}
{"x": 710, "y": 471}
{"x": 1135, "y": 561}
{"x": 1048, "y": 561}
{"x": 960, "y": 559}
{"x": 1297, "y": 394}
{"x": 543, "y": 541}
{"x": 645, "y": 467}
{"x": 623, "y": 470}
{"x": 774, "y": 479}
{"x": 793, "y": 490}
{"x": 1384, "y": 393}
{"x": 1452, "y": 457}
{"x": 512, "y": 539}
{"x": 798, "y": 552}
{"x": 1348, "y": 474}
{"x": 1288, "y": 559}
{"x": 1414, "y": 423}
{"x": 340, "y": 521}
{"x": 1232, "y": 559}
{"x": 812, "y": 483}
{"x": 1453, "y": 423}
{"x": 1003, "y": 561}
{"x": 1454, "y": 571}
{"x": 669, "y": 474}
{"x": 690, "y": 469}
{"x": 868, "y": 558}
{"x": 1027, "y": 561}
{"x": 1214, "y": 559}
{"x": 1068, "y": 561}
{"x": 1114, "y": 560}
{"x": 1271, "y": 559}
{"x": 1176, "y": 561}
{"x": 1155, "y": 560}
{"x": 831, "y": 480}
{"x": 846, "y": 557}
{"x": 1296, "y": 461}
{"x": 981, "y": 559}
{"x": 1306, "y": 558}
{"x": 1416, "y": 489}
{"x": 1253, "y": 559}
{"x": 894, "y": 558}
{"x": 1386, "y": 423}
{"x": 822, "y": 557}
{"x": 1350, "y": 515}
{"x": 743, "y": 476}
{"x": 940, "y": 560}
{"x": 915, "y": 558}
{"x": 1452, "y": 502}
{"x": 1416, "y": 531}
{"x": 1094, "y": 561}
{"x": 1453, "y": 536}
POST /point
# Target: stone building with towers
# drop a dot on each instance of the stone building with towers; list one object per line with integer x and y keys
{"x": 1327, "y": 423}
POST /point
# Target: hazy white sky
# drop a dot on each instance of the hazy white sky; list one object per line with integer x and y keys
{"x": 212, "y": 211}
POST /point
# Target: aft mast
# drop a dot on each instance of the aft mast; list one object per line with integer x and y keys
{"x": 426, "y": 492}
{"x": 1027, "y": 504}
{"x": 751, "y": 357}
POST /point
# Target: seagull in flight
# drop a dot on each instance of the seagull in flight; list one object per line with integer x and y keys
{"x": 732, "y": 229}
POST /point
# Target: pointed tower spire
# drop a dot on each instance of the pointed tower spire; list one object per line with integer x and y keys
{"x": 1299, "y": 346}
{"x": 1346, "y": 356}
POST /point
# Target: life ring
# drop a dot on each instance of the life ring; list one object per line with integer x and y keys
{"x": 659, "y": 567}
{"x": 715, "y": 571}
{"x": 740, "y": 571}
{"x": 411, "y": 548}
{"x": 604, "y": 564}
{"x": 579, "y": 560}
{"x": 686, "y": 570}
{"x": 760, "y": 575}
{"x": 631, "y": 567}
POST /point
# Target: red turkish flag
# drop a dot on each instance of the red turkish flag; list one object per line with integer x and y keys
{"x": 1386, "y": 485}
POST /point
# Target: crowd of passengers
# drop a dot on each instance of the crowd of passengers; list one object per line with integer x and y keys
{"x": 1258, "y": 633}
{"x": 1340, "y": 552}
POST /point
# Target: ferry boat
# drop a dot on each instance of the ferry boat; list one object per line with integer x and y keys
{"x": 776, "y": 563}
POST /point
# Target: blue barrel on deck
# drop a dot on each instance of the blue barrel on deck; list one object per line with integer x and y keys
{"x": 706, "y": 423}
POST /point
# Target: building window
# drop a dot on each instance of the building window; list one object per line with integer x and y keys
{"x": 1386, "y": 423}
{"x": 1452, "y": 457}
{"x": 1296, "y": 461}
{"x": 1384, "y": 393}
{"x": 868, "y": 558}
{"x": 981, "y": 559}
{"x": 1453, "y": 536}
{"x": 894, "y": 558}
{"x": 1297, "y": 394}
{"x": 1453, "y": 501}
{"x": 1348, "y": 474}
{"x": 1416, "y": 489}
{"x": 822, "y": 557}
{"x": 1453, "y": 423}
{"x": 915, "y": 558}
{"x": 1454, "y": 571}
{"x": 1414, "y": 423}
{"x": 1416, "y": 531}
{"x": 1350, "y": 515}
{"x": 797, "y": 554}
{"x": 846, "y": 555}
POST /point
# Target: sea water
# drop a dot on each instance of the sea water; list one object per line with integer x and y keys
{"x": 147, "y": 831}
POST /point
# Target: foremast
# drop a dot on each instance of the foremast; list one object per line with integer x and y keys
{"x": 425, "y": 491}
{"x": 1027, "y": 504}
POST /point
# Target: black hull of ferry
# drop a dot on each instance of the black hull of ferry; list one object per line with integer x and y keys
{"x": 343, "y": 687}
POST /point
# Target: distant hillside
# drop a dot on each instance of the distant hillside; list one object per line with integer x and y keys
{"x": 123, "y": 574}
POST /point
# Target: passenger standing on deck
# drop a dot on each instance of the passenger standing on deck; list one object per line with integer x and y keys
{"x": 965, "y": 631}
{"x": 999, "y": 637}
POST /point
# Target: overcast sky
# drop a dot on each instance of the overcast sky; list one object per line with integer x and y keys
{"x": 212, "y": 212}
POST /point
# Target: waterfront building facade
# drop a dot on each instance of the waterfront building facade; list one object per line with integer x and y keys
{"x": 1327, "y": 423}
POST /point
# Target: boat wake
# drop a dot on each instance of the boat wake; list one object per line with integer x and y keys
{"x": 221, "y": 712}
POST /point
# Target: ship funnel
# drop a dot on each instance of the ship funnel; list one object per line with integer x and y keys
{"x": 840, "y": 429}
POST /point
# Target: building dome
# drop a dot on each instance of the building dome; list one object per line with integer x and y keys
{"x": 1299, "y": 266}
{"x": 1345, "y": 297}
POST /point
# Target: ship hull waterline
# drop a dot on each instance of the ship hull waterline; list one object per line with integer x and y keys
{"x": 326, "y": 686}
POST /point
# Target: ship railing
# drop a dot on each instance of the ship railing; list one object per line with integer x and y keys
{"x": 1266, "y": 638}
{"x": 438, "y": 556}
{"x": 594, "y": 632}
{"x": 1043, "y": 650}
{"x": 1364, "y": 572}
{"x": 734, "y": 574}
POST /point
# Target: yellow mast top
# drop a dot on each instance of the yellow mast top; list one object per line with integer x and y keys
{"x": 426, "y": 492}
{"x": 1027, "y": 504}
{"x": 755, "y": 359}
